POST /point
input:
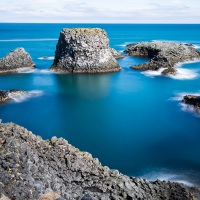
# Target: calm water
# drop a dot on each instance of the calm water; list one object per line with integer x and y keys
{"x": 127, "y": 119}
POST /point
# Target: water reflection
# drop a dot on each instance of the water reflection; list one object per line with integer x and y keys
{"x": 85, "y": 85}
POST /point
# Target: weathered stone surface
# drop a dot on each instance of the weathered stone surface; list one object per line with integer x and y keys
{"x": 17, "y": 59}
{"x": 7, "y": 95}
{"x": 116, "y": 54}
{"x": 84, "y": 50}
{"x": 163, "y": 55}
{"x": 192, "y": 100}
{"x": 31, "y": 167}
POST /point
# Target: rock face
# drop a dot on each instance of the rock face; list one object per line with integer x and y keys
{"x": 84, "y": 50}
{"x": 192, "y": 100}
{"x": 116, "y": 54}
{"x": 17, "y": 59}
{"x": 32, "y": 168}
{"x": 7, "y": 95}
{"x": 163, "y": 55}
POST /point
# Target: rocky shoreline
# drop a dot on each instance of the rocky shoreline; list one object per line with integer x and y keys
{"x": 162, "y": 55}
{"x": 84, "y": 50}
{"x": 32, "y": 168}
{"x": 16, "y": 60}
{"x": 6, "y": 96}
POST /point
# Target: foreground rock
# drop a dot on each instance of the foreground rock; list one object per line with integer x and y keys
{"x": 84, "y": 50}
{"x": 163, "y": 55}
{"x": 17, "y": 59}
{"x": 6, "y": 96}
{"x": 32, "y": 168}
{"x": 192, "y": 100}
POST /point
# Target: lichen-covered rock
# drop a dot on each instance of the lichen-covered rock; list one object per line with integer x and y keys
{"x": 7, "y": 95}
{"x": 192, "y": 100}
{"x": 32, "y": 168}
{"x": 162, "y": 54}
{"x": 17, "y": 59}
{"x": 84, "y": 50}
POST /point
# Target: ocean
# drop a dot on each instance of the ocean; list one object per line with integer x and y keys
{"x": 131, "y": 120}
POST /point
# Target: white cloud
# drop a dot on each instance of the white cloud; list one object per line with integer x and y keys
{"x": 80, "y": 11}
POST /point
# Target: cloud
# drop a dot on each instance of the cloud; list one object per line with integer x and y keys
{"x": 82, "y": 11}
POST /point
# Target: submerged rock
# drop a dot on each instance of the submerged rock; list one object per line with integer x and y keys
{"x": 17, "y": 59}
{"x": 163, "y": 55}
{"x": 192, "y": 100}
{"x": 6, "y": 96}
{"x": 84, "y": 50}
{"x": 32, "y": 168}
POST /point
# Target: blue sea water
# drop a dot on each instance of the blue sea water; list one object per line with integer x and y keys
{"x": 132, "y": 121}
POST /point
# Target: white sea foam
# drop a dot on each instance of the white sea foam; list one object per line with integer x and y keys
{"x": 46, "y": 58}
{"x": 182, "y": 74}
{"x": 20, "y": 97}
{"x": 153, "y": 73}
{"x": 165, "y": 176}
{"x": 29, "y": 40}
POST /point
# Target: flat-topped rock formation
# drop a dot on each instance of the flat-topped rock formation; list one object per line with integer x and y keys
{"x": 192, "y": 100}
{"x": 163, "y": 55}
{"x": 6, "y": 96}
{"x": 17, "y": 59}
{"x": 84, "y": 50}
{"x": 32, "y": 168}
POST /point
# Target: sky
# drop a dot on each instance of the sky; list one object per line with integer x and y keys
{"x": 101, "y": 11}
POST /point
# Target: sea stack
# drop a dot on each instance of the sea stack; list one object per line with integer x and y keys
{"x": 84, "y": 50}
{"x": 162, "y": 55}
{"x": 18, "y": 59}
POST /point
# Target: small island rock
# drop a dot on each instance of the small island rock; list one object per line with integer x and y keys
{"x": 192, "y": 100}
{"x": 162, "y": 55}
{"x": 17, "y": 59}
{"x": 6, "y": 96}
{"x": 84, "y": 50}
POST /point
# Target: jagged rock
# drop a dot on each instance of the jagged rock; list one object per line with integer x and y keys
{"x": 192, "y": 100}
{"x": 6, "y": 96}
{"x": 17, "y": 59}
{"x": 162, "y": 54}
{"x": 31, "y": 167}
{"x": 84, "y": 50}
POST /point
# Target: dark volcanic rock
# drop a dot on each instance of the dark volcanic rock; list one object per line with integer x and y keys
{"x": 192, "y": 100}
{"x": 84, "y": 50}
{"x": 162, "y": 54}
{"x": 7, "y": 95}
{"x": 31, "y": 167}
{"x": 17, "y": 59}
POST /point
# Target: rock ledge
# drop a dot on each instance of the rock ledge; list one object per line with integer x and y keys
{"x": 32, "y": 168}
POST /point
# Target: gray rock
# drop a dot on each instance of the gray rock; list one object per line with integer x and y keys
{"x": 84, "y": 50}
{"x": 116, "y": 54}
{"x": 162, "y": 54}
{"x": 169, "y": 71}
{"x": 85, "y": 178}
{"x": 6, "y": 96}
{"x": 17, "y": 59}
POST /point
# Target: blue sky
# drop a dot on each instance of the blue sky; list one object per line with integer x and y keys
{"x": 101, "y": 11}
